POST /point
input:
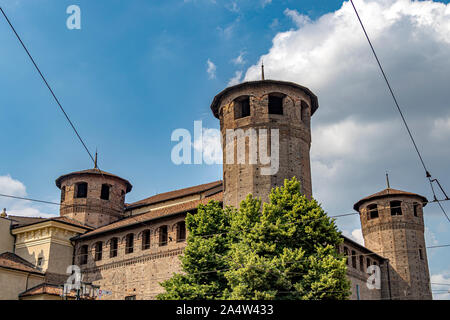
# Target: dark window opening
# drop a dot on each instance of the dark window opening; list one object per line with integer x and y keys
{"x": 63, "y": 194}
{"x": 146, "y": 239}
{"x": 82, "y": 189}
{"x": 368, "y": 262}
{"x": 130, "y": 297}
{"x": 275, "y": 104}
{"x": 163, "y": 235}
{"x": 39, "y": 262}
{"x": 420, "y": 254}
{"x": 98, "y": 251}
{"x": 181, "y": 231}
{"x": 304, "y": 112}
{"x": 396, "y": 208}
{"x": 416, "y": 209}
{"x": 83, "y": 255}
{"x": 241, "y": 107}
{"x": 346, "y": 254}
{"x": 354, "y": 259}
{"x": 113, "y": 247}
{"x": 129, "y": 246}
{"x": 372, "y": 211}
{"x": 361, "y": 263}
{"x": 105, "y": 192}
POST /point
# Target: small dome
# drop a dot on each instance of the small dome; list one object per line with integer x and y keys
{"x": 386, "y": 193}
{"x": 94, "y": 171}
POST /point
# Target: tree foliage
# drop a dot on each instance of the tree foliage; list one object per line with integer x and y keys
{"x": 284, "y": 249}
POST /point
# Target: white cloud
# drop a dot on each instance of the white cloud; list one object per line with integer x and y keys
{"x": 430, "y": 237}
{"x": 355, "y": 235}
{"x": 236, "y": 79}
{"x": 211, "y": 69}
{"x": 239, "y": 60}
{"x": 440, "y": 283}
{"x": 299, "y": 19}
{"x": 264, "y": 3}
{"x": 16, "y": 207}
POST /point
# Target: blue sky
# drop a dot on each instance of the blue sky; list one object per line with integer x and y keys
{"x": 137, "y": 70}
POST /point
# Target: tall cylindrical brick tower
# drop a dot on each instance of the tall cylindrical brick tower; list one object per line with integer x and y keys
{"x": 393, "y": 227}
{"x": 267, "y": 114}
{"x": 93, "y": 197}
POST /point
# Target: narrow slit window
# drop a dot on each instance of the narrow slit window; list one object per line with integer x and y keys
{"x": 304, "y": 112}
{"x": 83, "y": 255}
{"x": 129, "y": 245}
{"x": 98, "y": 251}
{"x": 416, "y": 209}
{"x": 346, "y": 253}
{"x": 63, "y": 194}
{"x": 354, "y": 259}
{"x": 420, "y": 254}
{"x": 181, "y": 231}
{"x": 275, "y": 104}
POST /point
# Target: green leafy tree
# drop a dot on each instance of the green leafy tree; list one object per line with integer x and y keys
{"x": 287, "y": 250}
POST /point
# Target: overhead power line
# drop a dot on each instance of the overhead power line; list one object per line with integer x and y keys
{"x": 427, "y": 173}
{"x": 48, "y": 86}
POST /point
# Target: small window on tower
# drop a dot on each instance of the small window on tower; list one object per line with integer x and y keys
{"x": 241, "y": 107}
{"x": 396, "y": 208}
{"x": 416, "y": 209}
{"x": 304, "y": 112}
{"x": 63, "y": 194}
{"x": 275, "y": 104}
{"x": 420, "y": 254}
{"x": 81, "y": 190}
{"x": 105, "y": 192}
{"x": 372, "y": 211}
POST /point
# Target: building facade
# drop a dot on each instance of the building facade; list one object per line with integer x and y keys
{"x": 126, "y": 250}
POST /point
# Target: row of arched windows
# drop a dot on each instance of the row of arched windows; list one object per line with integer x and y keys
{"x": 395, "y": 208}
{"x": 357, "y": 261}
{"x": 275, "y": 106}
{"x": 163, "y": 239}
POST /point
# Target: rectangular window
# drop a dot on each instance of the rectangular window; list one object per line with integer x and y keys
{"x": 146, "y": 239}
{"x": 354, "y": 259}
{"x": 113, "y": 248}
{"x": 129, "y": 248}
{"x": 416, "y": 209}
{"x": 82, "y": 190}
{"x": 396, "y": 208}
{"x": 420, "y": 254}
{"x": 105, "y": 192}
{"x": 361, "y": 263}
{"x": 275, "y": 105}
{"x": 163, "y": 235}
{"x": 181, "y": 231}
{"x": 373, "y": 211}
{"x": 357, "y": 292}
{"x": 130, "y": 297}
{"x": 241, "y": 107}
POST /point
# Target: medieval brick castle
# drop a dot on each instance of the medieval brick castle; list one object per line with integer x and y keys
{"x": 127, "y": 249}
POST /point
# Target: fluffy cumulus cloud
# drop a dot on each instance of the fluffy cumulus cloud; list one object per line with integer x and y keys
{"x": 211, "y": 69}
{"x": 355, "y": 235}
{"x": 12, "y": 187}
{"x": 236, "y": 79}
{"x": 357, "y": 134}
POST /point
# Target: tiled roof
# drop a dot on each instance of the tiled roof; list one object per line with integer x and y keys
{"x": 23, "y": 221}
{"x": 175, "y": 194}
{"x": 10, "y": 260}
{"x": 154, "y": 214}
{"x": 387, "y": 193}
{"x": 92, "y": 172}
{"x": 44, "y": 288}
{"x": 31, "y": 221}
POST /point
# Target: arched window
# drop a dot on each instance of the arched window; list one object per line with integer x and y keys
{"x": 145, "y": 239}
{"x": 242, "y": 107}
{"x": 181, "y": 231}
{"x": 396, "y": 208}
{"x": 105, "y": 192}
{"x": 361, "y": 262}
{"x": 81, "y": 190}
{"x": 114, "y": 244}
{"x": 346, "y": 254}
{"x": 63, "y": 194}
{"x": 354, "y": 259}
{"x": 129, "y": 245}
{"x": 84, "y": 254}
{"x": 276, "y": 104}
{"x": 98, "y": 251}
{"x": 372, "y": 211}
{"x": 163, "y": 235}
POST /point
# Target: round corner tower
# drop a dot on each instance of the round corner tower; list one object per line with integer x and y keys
{"x": 393, "y": 227}
{"x": 266, "y": 134}
{"x": 93, "y": 197}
